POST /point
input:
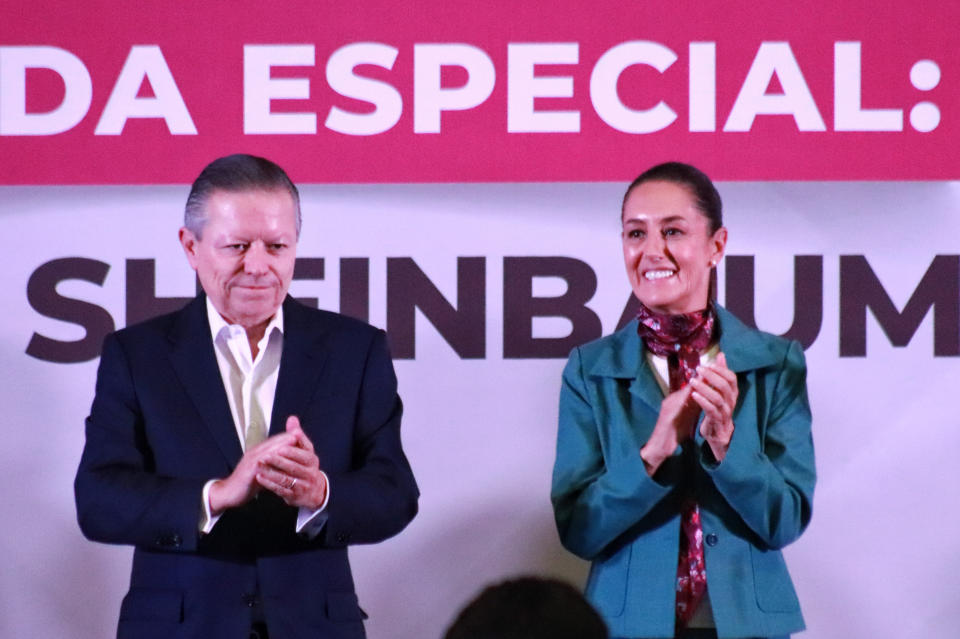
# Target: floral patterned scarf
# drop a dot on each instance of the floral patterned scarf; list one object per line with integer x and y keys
{"x": 680, "y": 338}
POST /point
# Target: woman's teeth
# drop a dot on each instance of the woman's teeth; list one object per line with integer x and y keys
{"x": 658, "y": 275}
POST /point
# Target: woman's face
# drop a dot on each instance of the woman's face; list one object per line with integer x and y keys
{"x": 668, "y": 248}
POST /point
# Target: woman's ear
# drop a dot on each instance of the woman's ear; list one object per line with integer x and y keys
{"x": 718, "y": 244}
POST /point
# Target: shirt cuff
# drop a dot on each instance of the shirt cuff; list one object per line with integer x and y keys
{"x": 311, "y": 522}
{"x": 207, "y": 519}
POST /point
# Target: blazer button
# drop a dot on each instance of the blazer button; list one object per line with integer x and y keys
{"x": 172, "y": 540}
{"x": 343, "y": 537}
{"x": 712, "y": 539}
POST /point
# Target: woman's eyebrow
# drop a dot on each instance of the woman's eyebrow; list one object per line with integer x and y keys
{"x": 644, "y": 220}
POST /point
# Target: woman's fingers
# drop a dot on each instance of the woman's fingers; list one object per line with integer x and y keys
{"x": 718, "y": 377}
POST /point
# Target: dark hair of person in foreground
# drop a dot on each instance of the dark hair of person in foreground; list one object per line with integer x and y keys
{"x": 528, "y": 608}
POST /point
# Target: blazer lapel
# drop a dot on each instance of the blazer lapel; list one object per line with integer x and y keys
{"x": 744, "y": 350}
{"x": 195, "y": 364}
{"x": 624, "y": 360}
{"x": 300, "y": 364}
{"x": 741, "y": 346}
{"x": 645, "y": 387}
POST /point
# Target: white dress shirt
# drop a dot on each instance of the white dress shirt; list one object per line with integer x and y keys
{"x": 251, "y": 385}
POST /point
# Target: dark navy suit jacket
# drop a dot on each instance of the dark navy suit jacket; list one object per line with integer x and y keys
{"x": 160, "y": 427}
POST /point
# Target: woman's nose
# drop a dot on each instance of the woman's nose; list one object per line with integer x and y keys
{"x": 655, "y": 245}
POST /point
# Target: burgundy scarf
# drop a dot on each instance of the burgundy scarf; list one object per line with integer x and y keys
{"x": 680, "y": 338}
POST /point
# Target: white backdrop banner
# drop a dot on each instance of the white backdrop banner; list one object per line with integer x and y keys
{"x": 865, "y": 273}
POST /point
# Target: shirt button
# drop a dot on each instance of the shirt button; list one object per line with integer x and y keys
{"x": 712, "y": 539}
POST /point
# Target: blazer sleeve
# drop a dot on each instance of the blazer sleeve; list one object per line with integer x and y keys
{"x": 596, "y": 497}
{"x": 770, "y": 485}
{"x": 119, "y": 498}
{"x": 377, "y": 497}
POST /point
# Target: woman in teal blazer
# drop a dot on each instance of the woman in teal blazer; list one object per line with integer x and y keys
{"x": 637, "y": 445}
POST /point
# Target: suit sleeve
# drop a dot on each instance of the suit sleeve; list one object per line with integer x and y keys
{"x": 378, "y": 496}
{"x": 596, "y": 497}
{"x": 771, "y": 488}
{"x": 120, "y": 499}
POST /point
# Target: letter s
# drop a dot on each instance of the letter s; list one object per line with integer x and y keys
{"x": 43, "y": 297}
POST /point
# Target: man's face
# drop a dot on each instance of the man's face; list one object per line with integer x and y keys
{"x": 245, "y": 258}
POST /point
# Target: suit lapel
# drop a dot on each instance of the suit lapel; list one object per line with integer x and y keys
{"x": 195, "y": 364}
{"x": 300, "y": 364}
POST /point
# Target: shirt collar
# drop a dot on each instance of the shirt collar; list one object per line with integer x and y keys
{"x": 218, "y": 324}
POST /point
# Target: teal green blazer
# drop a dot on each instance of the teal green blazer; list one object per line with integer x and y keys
{"x": 758, "y": 500}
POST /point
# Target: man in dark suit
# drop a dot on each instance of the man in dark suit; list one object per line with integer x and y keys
{"x": 242, "y": 443}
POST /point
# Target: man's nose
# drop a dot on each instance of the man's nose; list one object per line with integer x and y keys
{"x": 256, "y": 261}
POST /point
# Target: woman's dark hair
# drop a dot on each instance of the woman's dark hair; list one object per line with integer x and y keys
{"x": 695, "y": 180}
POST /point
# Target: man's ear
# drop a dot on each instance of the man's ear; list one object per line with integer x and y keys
{"x": 189, "y": 243}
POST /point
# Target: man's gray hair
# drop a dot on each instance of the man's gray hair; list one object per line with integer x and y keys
{"x": 238, "y": 172}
